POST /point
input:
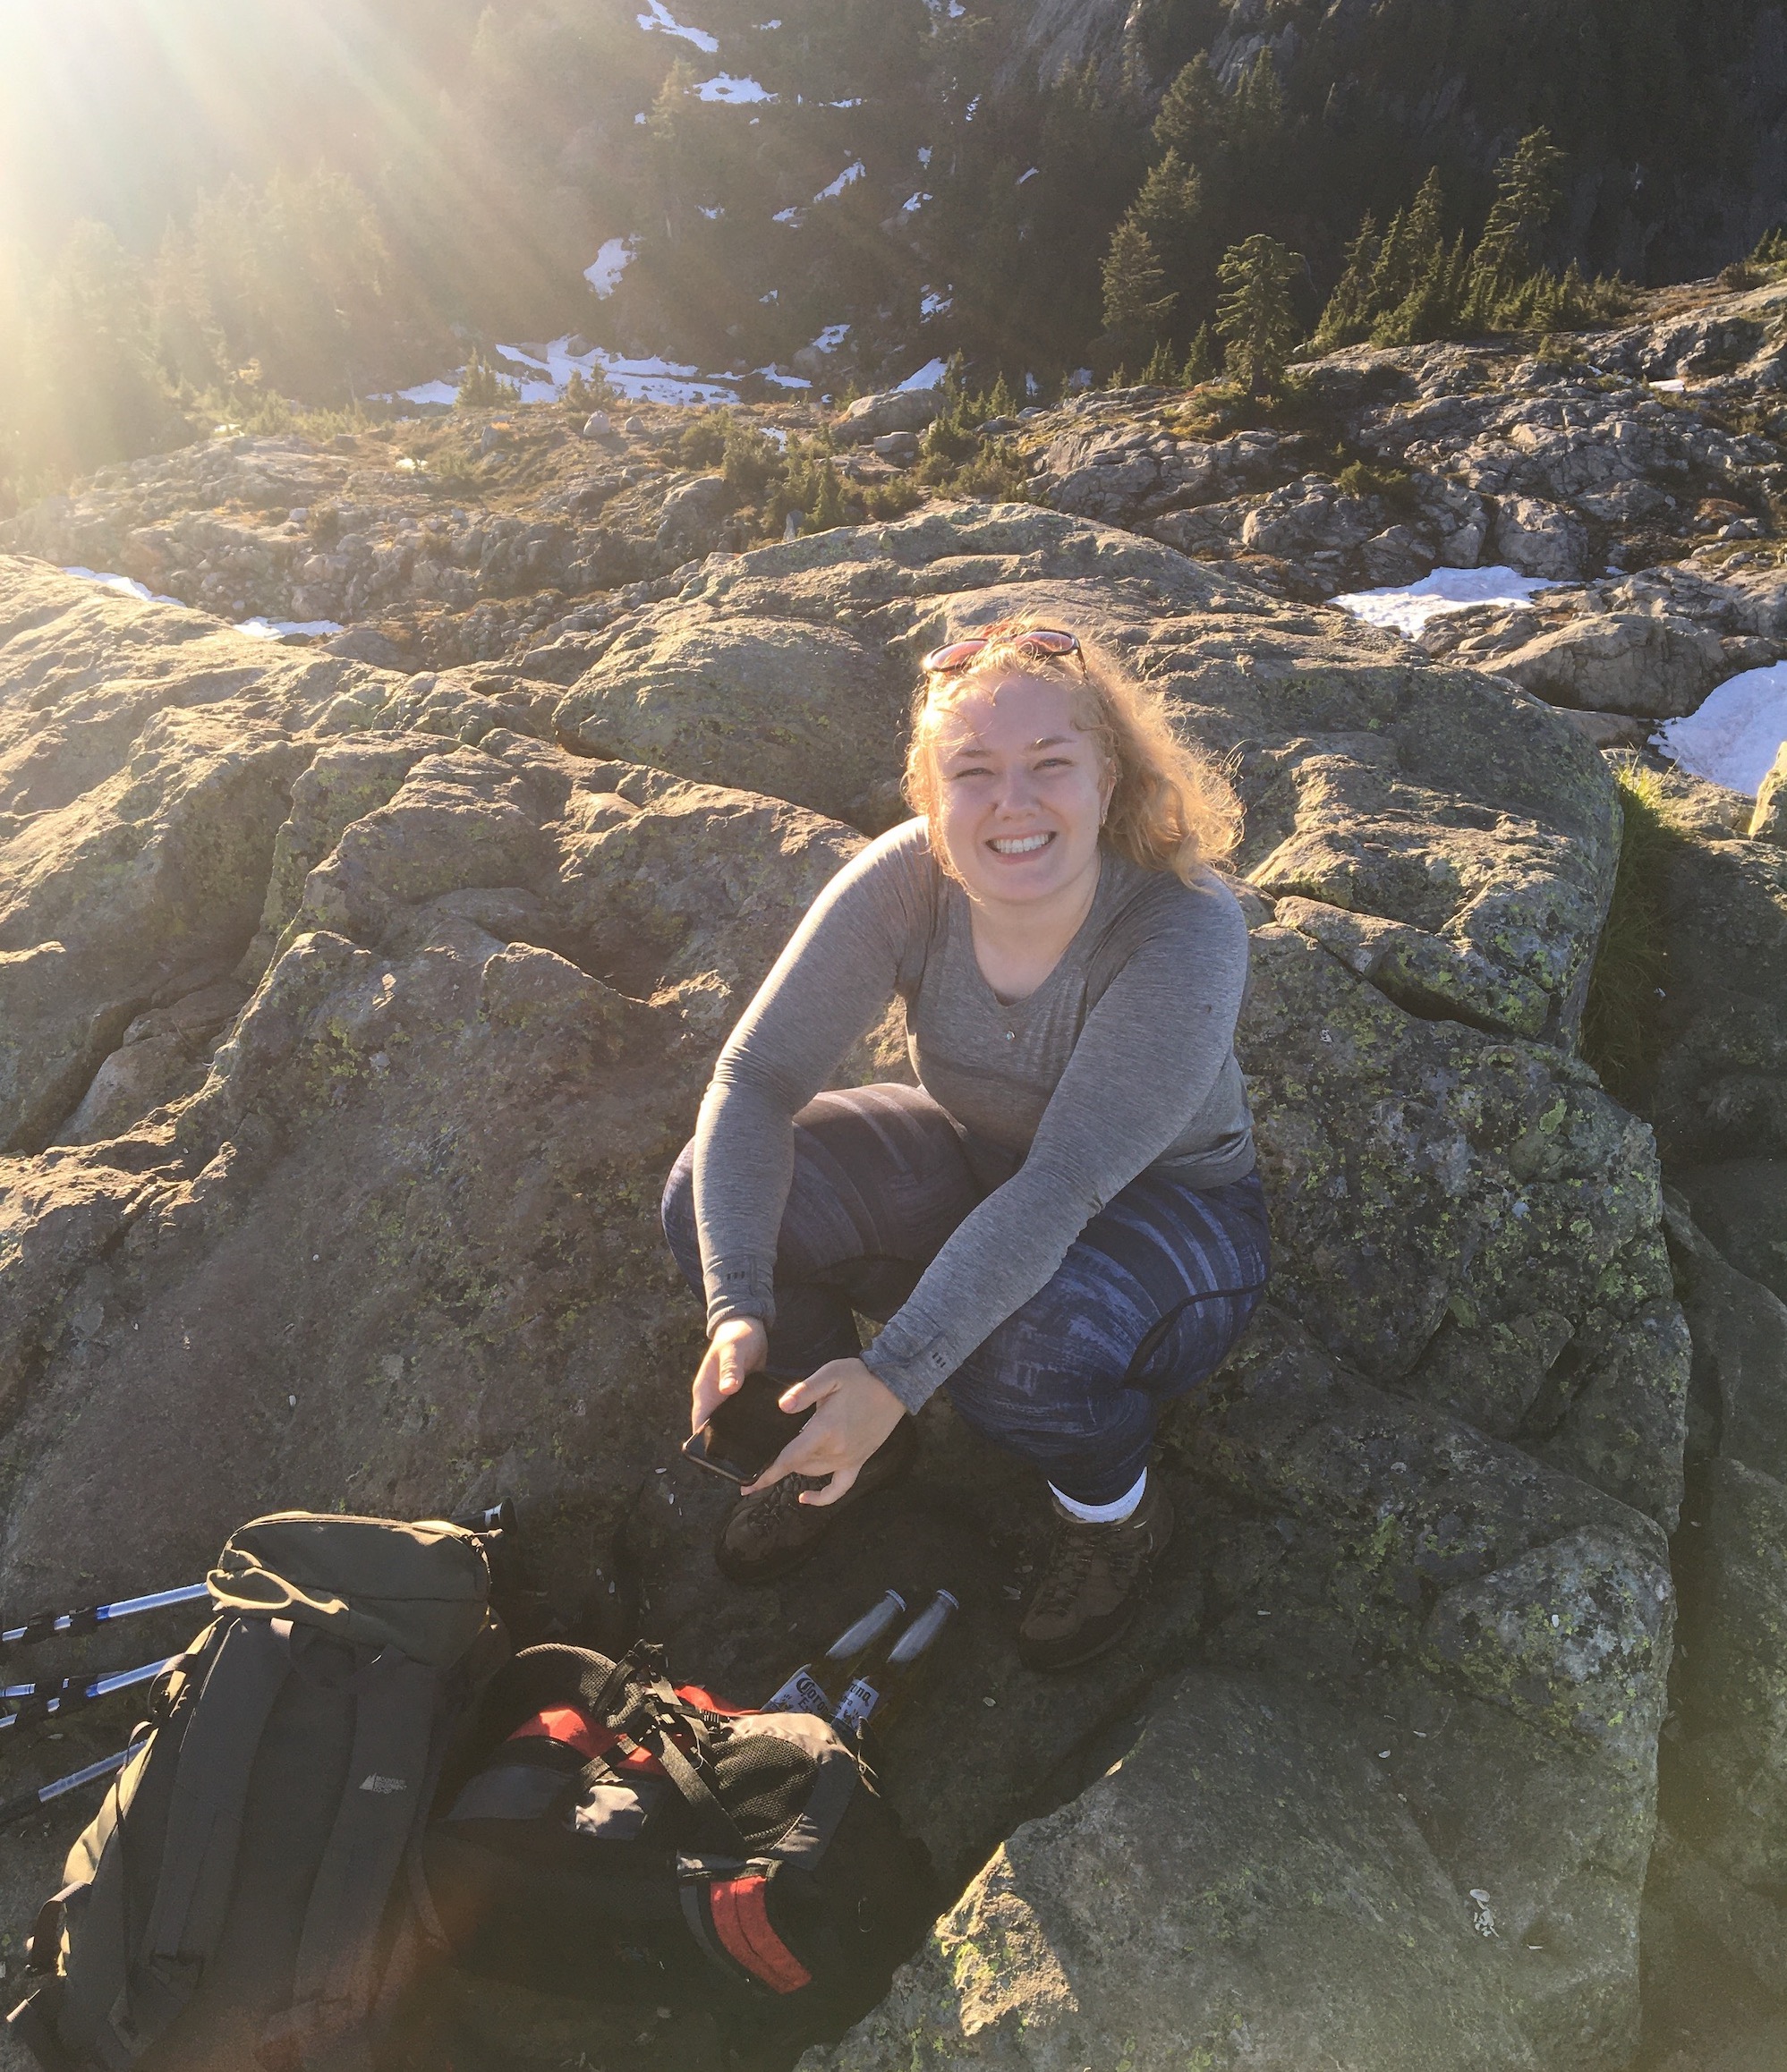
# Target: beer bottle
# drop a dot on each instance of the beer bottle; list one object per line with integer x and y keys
{"x": 886, "y": 1678}
{"x": 809, "y": 1689}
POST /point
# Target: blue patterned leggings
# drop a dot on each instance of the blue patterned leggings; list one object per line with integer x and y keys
{"x": 1146, "y": 1303}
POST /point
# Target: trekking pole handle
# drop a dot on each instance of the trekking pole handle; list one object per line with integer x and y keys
{"x": 499, "y": 1519}
{"x": 28, "y": 1801}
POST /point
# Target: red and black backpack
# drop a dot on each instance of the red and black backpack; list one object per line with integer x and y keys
{"x": 616, "y": 1839}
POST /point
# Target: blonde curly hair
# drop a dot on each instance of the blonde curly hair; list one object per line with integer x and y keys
{"x": 1171, "y": 807}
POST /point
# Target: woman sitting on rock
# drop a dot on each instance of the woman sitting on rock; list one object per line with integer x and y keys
{"x": 1061, "y": 1224}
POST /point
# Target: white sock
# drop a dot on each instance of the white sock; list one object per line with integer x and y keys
{"x": 1103, "y": 1514}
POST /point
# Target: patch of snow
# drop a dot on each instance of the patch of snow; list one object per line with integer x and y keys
{"x": 851, "y": 172}
{"x": 933, "y": 304}
{"x": 774, "y": 295}
{"x": 788, "y": 215}
{"x": 125, "y": 585}
{"x": 830, "y": 339}
{"x": 1032, "y": 386}
{"x": 656, "y": 380}
{"x": 1676, "y": 386}
{"x": 641, "y": 117}
{"x": 778, "y": 379}
{"x": 856, "y": 103}
{"x": 1031, "y": 175}
{"x": 275, "y": 629}
{"x": 917, "y": 202}
{"x": 968, "y": 112}
{"x": 658, "y": 16}
{"x": 425, "y": 392}
{"x": 929, "y": 376}
{"x": 1735, "y": 736}
{"x": 712, "y": 215}
{"x": 764, "y": 27}
{"x": 924, "y": 154}
{"x": 737, "y": 93}
{"x": 1408, "y": 608}
{"x": 603, "y": 273}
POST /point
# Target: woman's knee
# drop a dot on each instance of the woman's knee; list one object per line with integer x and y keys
{"x": 1013, "y": 1384}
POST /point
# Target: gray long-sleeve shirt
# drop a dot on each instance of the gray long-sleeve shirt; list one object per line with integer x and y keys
{"x": 1122, "y": 1058}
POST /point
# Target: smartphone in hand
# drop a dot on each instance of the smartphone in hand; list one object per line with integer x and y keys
{"x": 745, "y": 1432}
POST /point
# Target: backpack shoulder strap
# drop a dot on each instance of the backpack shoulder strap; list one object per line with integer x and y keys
{"x": 203, "y": 1830}
{"x": 646, "y": 1716}
{"x": 389, "y": 1782}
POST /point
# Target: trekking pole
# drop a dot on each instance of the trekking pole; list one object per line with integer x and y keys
{"x": 42, "y": 1625}
{"x": 40, "y": 1701}
{"x": 28, "y": 1801}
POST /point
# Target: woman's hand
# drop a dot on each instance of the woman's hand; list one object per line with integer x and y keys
{"x": 739, "y": 1346}
{"x": 855, "y": 1412}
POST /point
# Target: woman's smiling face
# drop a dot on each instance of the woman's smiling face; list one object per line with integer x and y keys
{"x": 1021, "y": 791}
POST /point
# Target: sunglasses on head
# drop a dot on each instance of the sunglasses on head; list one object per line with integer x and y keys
{"x": 956, "y": 655}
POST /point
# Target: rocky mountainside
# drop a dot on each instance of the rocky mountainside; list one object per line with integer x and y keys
{"x": 356, "y": 990}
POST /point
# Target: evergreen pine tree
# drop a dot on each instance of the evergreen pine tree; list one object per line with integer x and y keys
{"x": 1257, "y": 118}
{"x": 1347, "y": 318}
{"x": 1255, "y": 315}
{"x": 92, "y": 363}
{"x": 1434, "y": 306}
{"x": 1001, "y": 399}
{"x": 1412, "y": 246}
{"x": 1200, "y": 359}
{"x": 1194, "y": 117}
{"x": 1135, "y": 309}
{"x": 1162, "y": 371}
{"x": 480, "y": 387}
{"x": 1528, "y": 194}
{"x": 1169, "y": 209}
{"x": 827, "y": 509}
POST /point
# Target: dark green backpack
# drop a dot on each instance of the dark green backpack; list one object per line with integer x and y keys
{"x": 248, "y": 1893}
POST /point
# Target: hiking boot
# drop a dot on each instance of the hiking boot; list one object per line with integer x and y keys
{"x": 766, "y": 1535}
{"x": 1094, "y": 1584}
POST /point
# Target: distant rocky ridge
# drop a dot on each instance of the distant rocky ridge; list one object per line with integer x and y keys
{"x": 351, "y": 1015}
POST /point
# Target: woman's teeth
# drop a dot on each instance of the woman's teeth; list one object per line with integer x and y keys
{"x": 1019, "y": 845}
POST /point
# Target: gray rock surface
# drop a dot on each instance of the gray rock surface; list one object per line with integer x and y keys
{"x": 806, "y": 712}
{"x": 894, "y": 409}
{"x": 398, "y": 1249}
{"x": 1768, "y": 823}
{"x": 1717, "y": 1087}
{"x": 1657, "y": 666}
{"x": 1741, "y": 1205}
{"x": 1286, "y": 1911}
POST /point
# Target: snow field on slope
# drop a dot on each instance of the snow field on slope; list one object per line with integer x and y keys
{"x": 658, "y": 16}
{"x": 1407, "y": 608}
{"x": 1735, "y": 736}
{"x": 256, "y": 629}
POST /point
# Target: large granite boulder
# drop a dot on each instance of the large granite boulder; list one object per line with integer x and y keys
{"x": 1658, "y": 666}
{"x": 1715, "y": 1088}
{"x": 147, "y": 757}
{"x": 1714, "y": 1893}
{"x": 1741, "y": 1205}
{"x": 398, "y": 1250}
{"x": 804, "y": 712}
